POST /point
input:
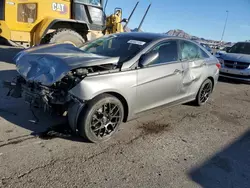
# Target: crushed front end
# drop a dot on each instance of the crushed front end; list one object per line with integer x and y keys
{"x": 53, "y": 99}
{"x": 47, "y": 73}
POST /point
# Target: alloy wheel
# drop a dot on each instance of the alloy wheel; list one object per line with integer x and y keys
{"x": 105, "y": 120}
{"x": 205, "y": 92}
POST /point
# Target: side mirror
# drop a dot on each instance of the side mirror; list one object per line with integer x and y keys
{"x": 146, "y": 59}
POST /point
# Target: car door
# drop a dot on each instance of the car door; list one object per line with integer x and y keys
{"x": 159, "y": 83}
{"x": 193, "y": 61}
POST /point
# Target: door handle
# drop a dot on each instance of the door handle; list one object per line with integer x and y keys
{"x": 178, "y": 71}
{"x": 201, "y": 65}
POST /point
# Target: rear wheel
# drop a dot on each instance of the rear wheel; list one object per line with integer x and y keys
{"x": 64, "y": 36}
{"x": 204, "y": 92}
{"x": 101, "y": 118}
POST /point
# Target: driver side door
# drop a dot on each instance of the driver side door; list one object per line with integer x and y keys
{"x": 160, "y": 82}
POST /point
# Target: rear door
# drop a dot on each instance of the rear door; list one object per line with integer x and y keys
{"x": 194, "y": 63}
{"x": 160, "y": 82}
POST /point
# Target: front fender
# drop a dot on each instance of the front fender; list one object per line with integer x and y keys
{"x": 87, "y": 91}
{"x": 121, "y": 83}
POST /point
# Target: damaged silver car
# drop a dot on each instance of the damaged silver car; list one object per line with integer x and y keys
{"x": 115, "y": 78}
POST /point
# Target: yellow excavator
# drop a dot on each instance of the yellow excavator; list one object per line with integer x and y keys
{"x": 29, "y": 23}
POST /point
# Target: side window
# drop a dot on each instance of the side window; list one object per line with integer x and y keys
{"x": 167, "y": 52}
{"x": 191, "y": 51}
{"x": 204, "y": 54}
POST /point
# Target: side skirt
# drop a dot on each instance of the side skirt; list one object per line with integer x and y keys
{"x": 163, "y": 107}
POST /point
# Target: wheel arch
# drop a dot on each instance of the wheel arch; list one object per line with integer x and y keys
{"x": 124, "y": 103}
{"x": 119, "y": 97}
{"x": 51, "y": 23}
{"x": 80, "y": 27}
{"x": 212, "y": 79}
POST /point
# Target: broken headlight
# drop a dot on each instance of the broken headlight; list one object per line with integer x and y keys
{"x": 73, "y": 78}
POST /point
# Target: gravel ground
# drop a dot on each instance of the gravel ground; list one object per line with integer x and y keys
{"x": 184, "y": 146}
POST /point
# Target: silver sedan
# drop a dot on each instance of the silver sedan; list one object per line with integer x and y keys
{"x": 115, "y": 78}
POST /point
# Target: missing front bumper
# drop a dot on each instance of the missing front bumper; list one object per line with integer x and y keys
{"x": 72, "y": 105}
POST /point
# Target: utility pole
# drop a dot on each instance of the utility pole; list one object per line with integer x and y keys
{"x": 105, "y": 5}
{"x": 143, "y": 18}
{"x": 124, "y": 27}
{"x": 224, "y": 27}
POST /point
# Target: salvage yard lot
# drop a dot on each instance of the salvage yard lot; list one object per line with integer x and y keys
{"x": 184, "y": 146}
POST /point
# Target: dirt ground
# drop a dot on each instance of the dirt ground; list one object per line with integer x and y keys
{"x": 184, "y": 146}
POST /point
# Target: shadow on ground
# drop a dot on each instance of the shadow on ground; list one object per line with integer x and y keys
{"x": 229, "y": 168}
{"x": 232, "y": 81}
{"x": 7, "y": 53}
{"x": 7, "y": 74}
{"x": 39, "y": 123}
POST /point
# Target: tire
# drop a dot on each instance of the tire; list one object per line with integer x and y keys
{"x": 89, "y": 117}
{"x": 200, "y": 101}
{"x": 64, "y": 36}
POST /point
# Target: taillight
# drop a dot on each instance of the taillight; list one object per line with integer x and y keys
{"x": 218, "y": 65}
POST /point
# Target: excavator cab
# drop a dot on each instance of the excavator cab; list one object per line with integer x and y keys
{"x": 89, "y": 11}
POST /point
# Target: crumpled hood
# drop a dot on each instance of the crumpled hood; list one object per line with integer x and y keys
{"x": 48, "y": 64}
{"x": 236, "y": 57}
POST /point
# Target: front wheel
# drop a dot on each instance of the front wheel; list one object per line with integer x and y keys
{"x": 204, "y": 92}
{"x": 101, "y": 118}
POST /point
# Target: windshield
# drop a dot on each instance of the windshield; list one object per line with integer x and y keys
{"x": 122, "y": 46}
{"x": 226, "y": 49}
{"x": 240, "y": 48}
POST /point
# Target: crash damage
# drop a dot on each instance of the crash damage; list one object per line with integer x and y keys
{"x": 45, "y": 79}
